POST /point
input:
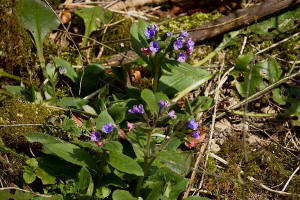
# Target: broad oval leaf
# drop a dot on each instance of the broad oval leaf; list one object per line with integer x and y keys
{"x": 122, "y": 195}
{"x": 37, "y": 18}
{"x": 90, "y": 17}
{"x": 178, "y": 79}
{"x": 125, "y": 164}
{"x": 70, "y": 72}
{"x": 149, "y": 97}
{"x": 73, "y": 102}
{"x": 64, "y": 150}
{"x": 103, "y": 118}
{"x": 85, "y": 181}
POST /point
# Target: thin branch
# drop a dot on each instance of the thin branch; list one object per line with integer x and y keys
{"x": 278, "y": 43}
{"x": 199, "y": 157}
{"x": 289, "y": 180}
{"x": 15, "y": 188}
{"x": 75, "y": 45}
{"x": 260, "y": 93}
{"x": 271, "y": 190}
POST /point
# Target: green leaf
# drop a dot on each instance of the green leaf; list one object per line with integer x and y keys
{"x": 294, "y": 112}
{"x": 102, "y": 192}
{"x": 125, "y": 164}
{"x": 64, "y": 150}
{"x": 270, "y": 70}
{"x": 70, "y": 72}
{"x": 118, "y": 112}
{"x": 202, "y": 103}
{"x": 277, "y": 24}
{"x": 180, "y": 78}
{"x": 72, "y": 154}
{"x": 241, "y": 75}
{"x": 57, "y": 167}
{"x": 138, "y": 38}
{"x": 32, "y": 163}
{"x": 171, "y": 184}
{"x": 94, "y": 74}
{"x": 42, "y": 138}
{"x": 122, "y": 195}
{"x": 90, "y": 17}
{"x": 85, "y": 181}
{"x": 102, "y": 119}
{"x": 39, "y": 20}
{"x": 113, "y": 146}
{"x": 149, "y": 97}
{"x": 73, "y": 102}
{"x": 45, "y": 176}
{"x": 178, "y": 162}
{"x": 112, "y": 180}
{"x": 28, "y": 175}
{"x": 278, "y": 96}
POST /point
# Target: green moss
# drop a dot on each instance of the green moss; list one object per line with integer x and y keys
{"x": 15, "y": 44}
{"x": 188, "y": 22}
{"x": 18, "y": 111}
{"x": 270, "y": 165}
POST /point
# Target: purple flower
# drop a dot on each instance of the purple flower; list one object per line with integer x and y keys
{"x": 163, "y": 103}
{"x": 190, "y": 45}
{"x": 146, "y": 51}
{"x": 136, "y": 109}
{"x": 95, "y": 136}
{"x": 154, "y": 46}
{"x": 182, "y": 57}
{"x": 150, "y": 31}
{"x": 193, "y": 125}
{"x": 107, "y": 128}
{"x": 130, "y": 126}
{"x": 196, "y": 135}
{"x": 178, "y": 43}
{"x": 172, "y": 114}
{"x": 184, "y": 33}
{"x": 167, "y": 104}
{"x": 169, "y": 34}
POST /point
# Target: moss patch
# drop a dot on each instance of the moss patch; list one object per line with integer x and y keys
{"x": 270, "y": 165}
{"x": 15, "y": 44}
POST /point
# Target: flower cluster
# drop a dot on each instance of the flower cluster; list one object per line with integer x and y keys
{"x": 107, "y": 128}
{"x": 154, "y": 47}
{"x": 96, "y": 135}
{"x": 163, "y": 104}
{"x": 194, "y": 125}
{"x": 172, "y": 114}
{"x": 151, "y": 31}
{"x": 183, "y": 41}
{"x": 136, "y": 109}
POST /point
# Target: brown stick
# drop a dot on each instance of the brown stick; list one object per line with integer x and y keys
{"x": 243, "y": 17}
{"x": 237, "y": 19}
{"x": 199, "y": 157}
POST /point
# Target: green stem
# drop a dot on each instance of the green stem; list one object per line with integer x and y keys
{"x": 156, "y": 77}
{"x": 146, "y": 166}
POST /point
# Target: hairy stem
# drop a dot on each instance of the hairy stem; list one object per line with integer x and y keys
{"x": 146, "y": 166}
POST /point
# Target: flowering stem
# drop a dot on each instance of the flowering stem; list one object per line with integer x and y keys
{"x": 146, "y": 166}
{"x": 156, "y": 77}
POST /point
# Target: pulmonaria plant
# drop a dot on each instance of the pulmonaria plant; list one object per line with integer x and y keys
{"x": 169, "y": 45}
